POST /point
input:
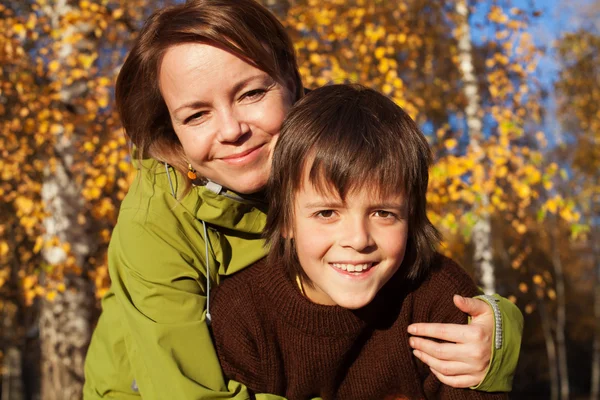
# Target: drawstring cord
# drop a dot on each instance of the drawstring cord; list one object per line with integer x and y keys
{"x": 208, "y": 316}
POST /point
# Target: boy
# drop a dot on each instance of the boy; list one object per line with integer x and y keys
{"x": 352, "y": 260}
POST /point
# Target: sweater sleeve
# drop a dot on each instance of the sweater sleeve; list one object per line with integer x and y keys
{"x": 434, "y": 304}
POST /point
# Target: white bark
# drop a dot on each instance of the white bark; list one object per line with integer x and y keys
{"x": 12, "y": 382}
{"x": 482, "y": 231}
{"x": 561, "y": 345}
{"x": 550, "y": 348}
{"x": 278, "y": 7}
{"x": 64, "y": 323}
{"x": 595, "y": 238}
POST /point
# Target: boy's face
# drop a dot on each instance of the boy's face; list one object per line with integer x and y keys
{"x": 350, "y": 249}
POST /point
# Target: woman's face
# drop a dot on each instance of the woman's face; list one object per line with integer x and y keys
{"x": 225, "y": 112}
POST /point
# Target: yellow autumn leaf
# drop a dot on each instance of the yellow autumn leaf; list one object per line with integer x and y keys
{"x": 523, "y": 287}
{"x": 103, "y": 101}
{"x": 552, "y": 205}
{"x": 502, "y": 171}
{"x": 53, "y": 66}
{"x": 24, "y": 205}
{"x": 450, "y": 143}
{"x": 39, "y": 242}
{"x": 86, "y": 60}
{"x": 29, "y": 281}
{"x": 3, "y": 248}
{"x": 88, "y": 146}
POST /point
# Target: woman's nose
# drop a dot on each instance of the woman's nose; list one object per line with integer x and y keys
{"x": 232, "y": 127}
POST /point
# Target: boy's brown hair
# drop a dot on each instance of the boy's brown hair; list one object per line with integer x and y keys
{"x": 242, "y": 27}
{"x": 351, "y": 138}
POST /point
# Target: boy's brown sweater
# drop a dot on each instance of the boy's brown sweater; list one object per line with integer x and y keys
{"x": 274, "y": 340}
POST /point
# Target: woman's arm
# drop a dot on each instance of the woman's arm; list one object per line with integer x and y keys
{"x": 473, "y": 360}
{"x": 160, "y": 290}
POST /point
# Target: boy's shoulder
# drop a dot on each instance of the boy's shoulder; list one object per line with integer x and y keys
{"x": 446, "y": 270}
{"x": 444, "y": 279}
{"x": 237, "y": 291}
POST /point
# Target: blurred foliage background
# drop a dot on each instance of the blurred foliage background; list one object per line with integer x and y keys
{"x": 515, "y": 187}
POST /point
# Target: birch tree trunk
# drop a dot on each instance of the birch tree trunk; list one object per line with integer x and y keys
{"x": 64, "y": 323}
{"x": 561, "y": 345}
{"x": 482, "y": 231}
{"x": 550, "y": 347}
{"x": 595, "y": 238}
{"x": 278, "y": 7}
{"x": 12, "y": 383}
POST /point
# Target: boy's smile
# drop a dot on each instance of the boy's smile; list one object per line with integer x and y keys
{"x": 348, "y": 249}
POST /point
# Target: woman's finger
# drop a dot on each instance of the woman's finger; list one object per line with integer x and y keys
{"x": 456, "y": 333}
{"x": 441, "y": 351}
{"x": 447, "y": 368}
{"x": 459, "y": 381}
{"x": 476, "y": 356}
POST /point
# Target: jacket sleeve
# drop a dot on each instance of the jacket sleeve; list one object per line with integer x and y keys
{"x": 503, "y": 362}
{"x": 161, "y": 294}
{"x": 451, "y": 279}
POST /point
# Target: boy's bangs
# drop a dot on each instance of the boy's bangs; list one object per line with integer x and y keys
{"x": 341, "y": 168}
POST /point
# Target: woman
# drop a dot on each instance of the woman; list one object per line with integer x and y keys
{"x": 202, "y": 96}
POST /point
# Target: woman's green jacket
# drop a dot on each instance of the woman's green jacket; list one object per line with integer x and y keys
{"x": 152, "y": 336}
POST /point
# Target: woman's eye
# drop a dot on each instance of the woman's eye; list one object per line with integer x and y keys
{"x": 194, "y": 117}
{"x": 325, "y": 214}
{"x": 254, "y": 94}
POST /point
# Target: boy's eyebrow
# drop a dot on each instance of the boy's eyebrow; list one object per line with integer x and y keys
{"x": 400, "y": 206}
{"x": 324, "y": 204}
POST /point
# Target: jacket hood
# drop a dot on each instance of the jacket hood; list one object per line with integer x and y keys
{"x": 227, "y": 210}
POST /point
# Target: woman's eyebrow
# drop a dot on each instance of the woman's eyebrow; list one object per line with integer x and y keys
{"x": 192, "y": 104}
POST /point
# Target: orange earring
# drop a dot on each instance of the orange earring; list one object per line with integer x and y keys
{"x": 191, "y": 172}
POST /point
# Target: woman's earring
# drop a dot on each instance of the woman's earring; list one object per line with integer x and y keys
{"x": 191, "y": 172}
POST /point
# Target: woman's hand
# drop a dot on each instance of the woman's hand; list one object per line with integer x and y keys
{"x": 462, "y": 363}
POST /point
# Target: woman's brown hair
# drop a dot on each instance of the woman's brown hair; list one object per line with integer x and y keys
{"x": 242, "y": 27}
{"x": 346, "y": 138}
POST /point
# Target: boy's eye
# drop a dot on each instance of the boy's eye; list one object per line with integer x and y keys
{"x": 325, "y": 214}
{"x": 384, "y": 214}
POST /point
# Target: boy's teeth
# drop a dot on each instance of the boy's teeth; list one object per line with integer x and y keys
{"x": 352, "y": 267}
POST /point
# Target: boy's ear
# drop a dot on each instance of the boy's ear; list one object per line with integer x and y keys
{"x": 287, "y": 233}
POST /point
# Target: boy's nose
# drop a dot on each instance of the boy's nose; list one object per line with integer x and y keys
{"x": 357, "y": 235}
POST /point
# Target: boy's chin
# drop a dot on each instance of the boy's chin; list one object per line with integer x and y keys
{"x": 354, "y": 302}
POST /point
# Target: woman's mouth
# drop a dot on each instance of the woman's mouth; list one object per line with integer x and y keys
{"x": 243, "y": 157}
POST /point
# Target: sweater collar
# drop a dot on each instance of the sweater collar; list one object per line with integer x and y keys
{"x": 316, "y": 319}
